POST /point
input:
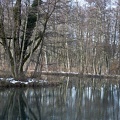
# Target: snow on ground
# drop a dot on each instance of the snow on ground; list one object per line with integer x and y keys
{"x": 29, "y": 80}
{"x": 61, "y": 72}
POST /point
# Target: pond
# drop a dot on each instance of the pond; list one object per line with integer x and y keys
{"x": 80, "y": 99}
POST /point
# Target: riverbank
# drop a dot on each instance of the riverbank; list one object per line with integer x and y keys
{"x": 79, "y": 74}
{"x": 30, "y": 82}
{"x": 36, "y": 81}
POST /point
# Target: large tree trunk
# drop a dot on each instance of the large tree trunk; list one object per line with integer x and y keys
{"x": 16, "y": 37}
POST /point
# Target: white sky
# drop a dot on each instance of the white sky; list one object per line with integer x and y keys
{"x": 82, "y": 2}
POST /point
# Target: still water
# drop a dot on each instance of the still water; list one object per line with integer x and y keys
{"x": 80, "y": 99}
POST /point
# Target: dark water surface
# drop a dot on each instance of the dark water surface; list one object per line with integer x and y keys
{"x": 81, "y": 99}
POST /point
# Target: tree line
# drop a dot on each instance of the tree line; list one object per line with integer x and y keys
{"x": 60, "y": 35}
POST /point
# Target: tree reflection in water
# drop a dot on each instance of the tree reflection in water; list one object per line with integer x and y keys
{"x": 17, "y": 107}
{"x": 89, "y": 99}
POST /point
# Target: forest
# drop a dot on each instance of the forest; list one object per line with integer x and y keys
{"x": 60, "y": 35}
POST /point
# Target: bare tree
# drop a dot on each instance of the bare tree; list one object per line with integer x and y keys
{"x": 28, "y": 25}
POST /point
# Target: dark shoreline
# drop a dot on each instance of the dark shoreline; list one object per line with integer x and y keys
{"x": 8, "y": 84}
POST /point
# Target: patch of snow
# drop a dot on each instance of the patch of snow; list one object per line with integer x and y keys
{"x": 89, "y": 74}
{"x": 26, "y": 83}
{"x": 34, "y": 80}
{"x": 9, "y": 79}
{"x": 74, "y": 73}
{"x": 14, "y": 81}
{"x": 42, "y": 81}
{"x": 30, "y": 80}
{"x": 62, "y": 72}
{"x": 1, "y": 78}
